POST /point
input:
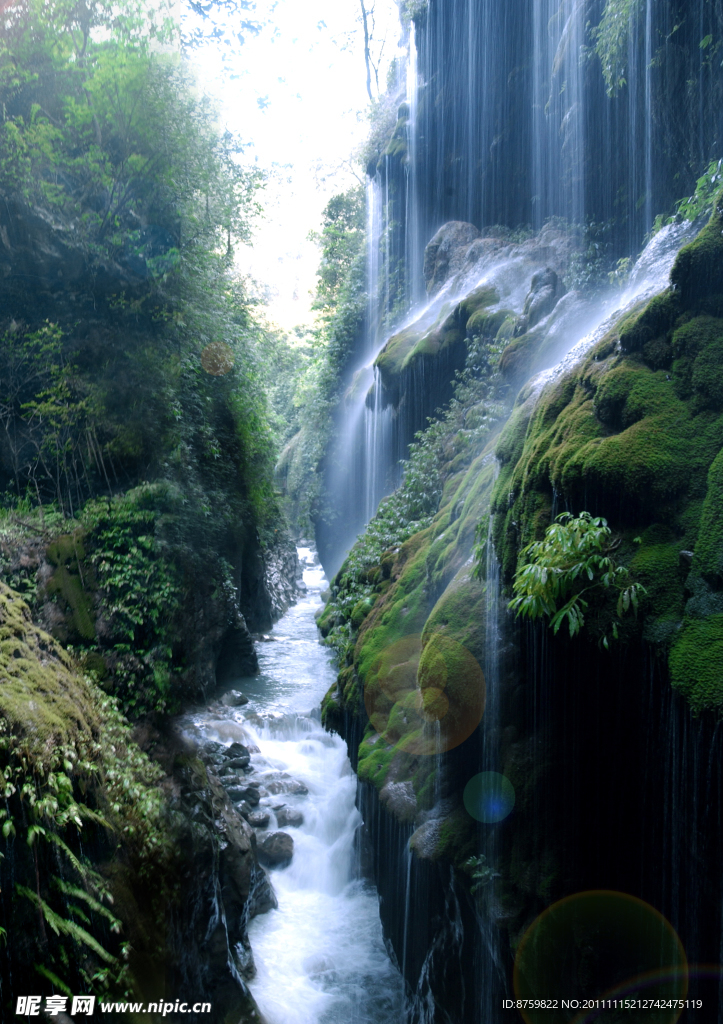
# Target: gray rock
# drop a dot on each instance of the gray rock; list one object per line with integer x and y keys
{"x": 275, "y": 848}
{"x": 425, "y": 840}
{"x": 243, "y": 959}
{"x": 244, "y": 809}
{"x": 446, "y": 252}
{"x": 238, "y": 792}
{"x": 234, "y": 699}
{"x": 285, "y": 784}
{"x": 289, "y": 816}
{"x": 237, "y": 750}
{"x": 258, "y": 819}
{"x": 239, "y": 762}
{"x": 545, "y": 291}
{"x": 399, "y": 800}
{"x": 252, "y": 795}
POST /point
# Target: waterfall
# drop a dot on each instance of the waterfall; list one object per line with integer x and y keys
{"x": 558, "y": 107}
{"x": 414, "y": 244}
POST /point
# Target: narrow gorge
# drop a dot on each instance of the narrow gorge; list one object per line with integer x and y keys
{"x": 367, "y": 672}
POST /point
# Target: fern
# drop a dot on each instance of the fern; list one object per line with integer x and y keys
{"x": 61, "y": 925}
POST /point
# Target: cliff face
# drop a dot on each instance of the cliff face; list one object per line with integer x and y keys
{"x": 147, "y": 455}
{"x": 440, "y": 683}
{"x": 117, "y": 868}
{"x": 140, "y": 531}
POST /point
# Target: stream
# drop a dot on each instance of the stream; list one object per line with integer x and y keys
{"x": 320, "y": 957}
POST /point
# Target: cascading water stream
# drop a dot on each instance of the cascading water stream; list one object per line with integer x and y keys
{"x": 414, "y": 245}
{"x": 320, "y": 957}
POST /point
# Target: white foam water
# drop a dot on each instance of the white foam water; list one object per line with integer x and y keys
{"x": 320, "y": 957}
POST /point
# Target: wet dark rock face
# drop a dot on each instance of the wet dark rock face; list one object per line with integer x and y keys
{"x": 284, "y": 578}
{"x": 223, "y": 886}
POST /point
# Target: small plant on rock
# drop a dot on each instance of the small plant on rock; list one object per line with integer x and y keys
{"x": 572, "y": 567}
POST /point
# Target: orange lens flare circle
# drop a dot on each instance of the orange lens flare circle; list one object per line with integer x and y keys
{"x": 426, "y": 695}
{"x": 217, "y": 359}
{"x": 613, "y": 945}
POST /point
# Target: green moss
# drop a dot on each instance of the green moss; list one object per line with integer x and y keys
{"x": 328, "y": 619}
{"x": 657, "y": 567}
{"x": 375, "y": 759}
{"x": 697, "y": 274}
{"x": 399, "y": 614}
{"x": 483, "y": 324}
{"x": 622, "y": 432}
{"x": 447, "y": 332}
{"x": 460, "y": 614}
{"x": 68, "y": 585}
{"x": 507, "y": 328}
{"x": 457, "y": 838}
{"x": 477, "y": 302}
{"x": 518, "y": 359}
{"x": 696, "y": 663}
{"x": 708, "y": 559}
{"x": 42, "y": 698}
{"x": 698, "y": 362}
{"x": 655, "y": 320}
{"x": 360, "y": 611}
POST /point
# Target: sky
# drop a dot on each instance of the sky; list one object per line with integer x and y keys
{"x": 296, "y": 93}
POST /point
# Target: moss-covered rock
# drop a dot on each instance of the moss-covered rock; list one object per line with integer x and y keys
{"x": 696, "y": 663}
{"x": 698, "y": 271}
{"x": 708, "y": 559}
{"x": 72, "y": 587}
{"x": 42, "y": 697}
{"x": 635, "y": 432}
{"x": 447, "y": 334}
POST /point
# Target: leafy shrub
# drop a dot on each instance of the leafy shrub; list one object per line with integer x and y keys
{"x": 570, "y": 568}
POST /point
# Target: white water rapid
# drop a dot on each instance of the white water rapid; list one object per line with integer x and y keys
{"x": 320, "y": 957}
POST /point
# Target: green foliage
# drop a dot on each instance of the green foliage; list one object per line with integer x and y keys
{"x": 611, "y": 39}
{"x": 341, "y": 241}
{"x": 103, "y": 131}
{"x": 141, "y": 591}
{"x": 701, "y": 203}
{"x": 594, "y": 267}
{"x": 413, "y": 9}
{"x": 572, "y": 566}
{"x": 71, "y": 778}
{"x": 341, "y": 303}
{"x": 482, "y": 874}
{"x": 47, "y": 419}
{"x": 447, "y": 446}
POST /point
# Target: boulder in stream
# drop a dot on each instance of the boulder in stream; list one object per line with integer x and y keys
{"x": 289, "y": 816}
{"x": 234, "y": 699}
{"x": 239, "y": 762}
{"x": 283, "y": 783}
{"x": 275, "y": 848}
{"x": 237, "y": 793}
{"x": 237, "y": 750}
{"x": 258, "y": 819}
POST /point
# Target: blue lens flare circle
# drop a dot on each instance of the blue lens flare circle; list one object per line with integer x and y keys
{"x": 489, "y": 797}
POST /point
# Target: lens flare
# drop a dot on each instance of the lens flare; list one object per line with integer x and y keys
{"x": 217, "y": 359}
{"x": 425, "y": 695}
{"x": 596, "y": 947}
{"x": 489, "y": 797}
